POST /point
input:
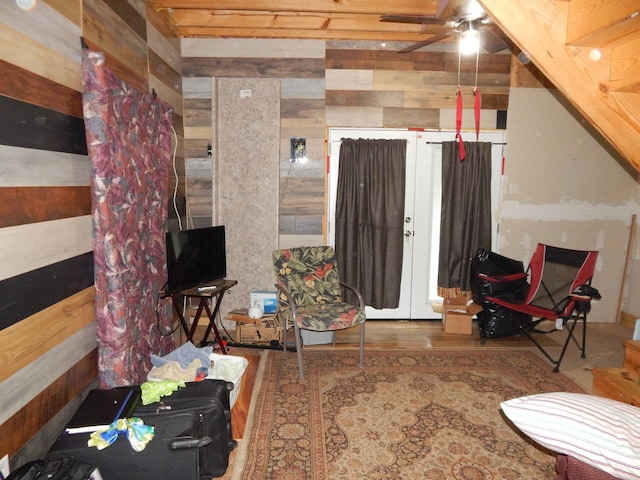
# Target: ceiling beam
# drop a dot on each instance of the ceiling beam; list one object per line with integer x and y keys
{"x": 378, "y": 7}
{"x": 625, "y": 68}
{"x": 598, "y": 23}
{"x": 539, "y": 27}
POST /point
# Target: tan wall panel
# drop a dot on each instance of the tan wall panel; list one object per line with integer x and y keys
{"x": 27, "y": 53}
{"x": 354, "y": 117}
{"x": 349, "y": 79}
{"x": 24, "y": 385}
{"x": 23, "y": 426}
{"x": 45, "y": 25}
{"x": 25, "y": 341}
{"x": 411, "y": 117}
{"x": 43, "y": 243}
{"x": 103, "y": 28}
{"x": 24, "y": 167}
{"x": 69, "y": 8}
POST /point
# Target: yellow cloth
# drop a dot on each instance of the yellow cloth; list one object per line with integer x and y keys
{"x": 154, "y": 391}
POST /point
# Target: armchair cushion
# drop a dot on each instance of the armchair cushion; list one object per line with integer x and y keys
{"x": 325, "y": 317}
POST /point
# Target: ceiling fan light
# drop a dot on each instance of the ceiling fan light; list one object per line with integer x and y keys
{"x": 469, "y": 42}
{"x": 475, "y": 9}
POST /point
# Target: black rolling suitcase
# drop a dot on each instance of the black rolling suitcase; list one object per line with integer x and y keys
{"x": 192, "y": 438}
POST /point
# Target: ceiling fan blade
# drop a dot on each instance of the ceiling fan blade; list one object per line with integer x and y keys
{"x": 428, "y": 41}
{"x": 493, "y": 40}
{"x": 416, "y": 19}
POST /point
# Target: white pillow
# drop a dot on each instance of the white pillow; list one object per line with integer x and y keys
{"x": 598, "y": 431}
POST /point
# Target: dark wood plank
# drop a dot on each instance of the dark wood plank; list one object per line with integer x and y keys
{"x": 22, "y": 205}
{"x": 26, "y": 125}
{"x": 130, "y": 15}
{"x": 494, "y": 102}
{"x": 28, "y": 87}
{"x": 197, "y": 112}
{"x": 51, "y": 284}
{"x": 133, "y": 78}
{"x": 385, "y": 60}
{"x": 178, "y": 124}
{"x": 253, "y": 67}
{"x": 163, "y": 71}
{"x": 487, "y": 63}
{"x": 303, "y": 108}
{"x": 362, "y": 98}
{"x": 26, "y": 423}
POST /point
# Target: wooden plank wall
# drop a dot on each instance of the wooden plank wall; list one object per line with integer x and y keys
{"x": 330, "y": 84}
{"x": 47, "y": 318}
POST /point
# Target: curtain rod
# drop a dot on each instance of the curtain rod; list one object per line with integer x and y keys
{"x": 440, "y": 143}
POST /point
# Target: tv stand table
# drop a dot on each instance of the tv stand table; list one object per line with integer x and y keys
{"x": 221, "y": 286}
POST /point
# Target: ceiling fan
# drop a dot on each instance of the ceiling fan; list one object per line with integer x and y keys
{"x": 470, "y": 24}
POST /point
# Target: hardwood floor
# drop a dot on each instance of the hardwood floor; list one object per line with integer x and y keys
{"x": 604, "y": 349}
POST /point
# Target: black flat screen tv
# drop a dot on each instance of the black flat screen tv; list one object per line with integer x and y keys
{"x": 195, "y": 258}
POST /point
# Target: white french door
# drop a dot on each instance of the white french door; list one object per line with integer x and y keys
{"x": 418, "y": 286}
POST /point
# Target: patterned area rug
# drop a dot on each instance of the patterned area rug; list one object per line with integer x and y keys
{"x": 409, "y": 414}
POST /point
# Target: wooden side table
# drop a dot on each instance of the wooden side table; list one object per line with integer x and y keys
{"x": 204, "y": 296}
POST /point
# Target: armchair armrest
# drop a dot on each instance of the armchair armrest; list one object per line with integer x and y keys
{"x": 356, "y": 293}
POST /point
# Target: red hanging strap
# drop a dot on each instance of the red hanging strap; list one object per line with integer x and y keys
{"x": 476, "y": 106}
{"x": 461, "y": 150}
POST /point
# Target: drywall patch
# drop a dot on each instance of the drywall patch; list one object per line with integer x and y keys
{"x": 570, "y": 211}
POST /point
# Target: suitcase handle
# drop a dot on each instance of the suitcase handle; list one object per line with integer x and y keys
{"x": 181, "y": 443}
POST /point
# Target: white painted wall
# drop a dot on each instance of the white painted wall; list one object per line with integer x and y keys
{"x": 565, "y": 186}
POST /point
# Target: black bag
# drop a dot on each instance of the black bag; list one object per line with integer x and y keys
{"x": 63, "y": 468}
{"x": 496, "y": 321}
{"x": 192, "y": 438}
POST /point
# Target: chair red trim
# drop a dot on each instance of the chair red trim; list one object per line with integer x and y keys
{"x": 559, "y": 289}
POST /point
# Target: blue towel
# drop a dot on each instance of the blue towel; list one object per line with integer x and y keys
{"x": 184, "y": 355}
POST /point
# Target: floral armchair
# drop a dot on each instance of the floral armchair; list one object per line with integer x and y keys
{"x": 310, "y": 297}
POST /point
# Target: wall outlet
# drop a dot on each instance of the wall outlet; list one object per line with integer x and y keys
{"x": 4, "y": 466}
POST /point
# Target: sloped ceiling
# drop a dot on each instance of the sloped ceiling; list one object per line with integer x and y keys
{"x": 565, "y": 38}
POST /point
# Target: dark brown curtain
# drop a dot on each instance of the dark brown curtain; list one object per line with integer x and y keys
{"x": 369, "y": 218}
{"x": 466, "y": 211}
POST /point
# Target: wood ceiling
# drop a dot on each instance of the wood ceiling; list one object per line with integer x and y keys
{"x": 306, "y": 19}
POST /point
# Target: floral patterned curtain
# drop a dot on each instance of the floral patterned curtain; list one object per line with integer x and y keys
{"x": 129, "y": 139}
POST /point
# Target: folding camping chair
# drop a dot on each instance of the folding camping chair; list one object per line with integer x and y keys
{"x": 559, "y": 289}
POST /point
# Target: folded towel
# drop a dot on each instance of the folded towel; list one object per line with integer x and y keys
{"x": 184, "y": 355}
{"x": 174, "y": 371}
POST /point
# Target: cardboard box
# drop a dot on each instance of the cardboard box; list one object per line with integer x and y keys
{"x": 264, "y": 298}
{"x": 260, "y": 333}
{"x": 457, "y": 323}
{"x": 457, "y": 314}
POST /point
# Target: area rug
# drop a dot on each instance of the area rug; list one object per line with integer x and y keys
{"x": 408, "y": 414}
